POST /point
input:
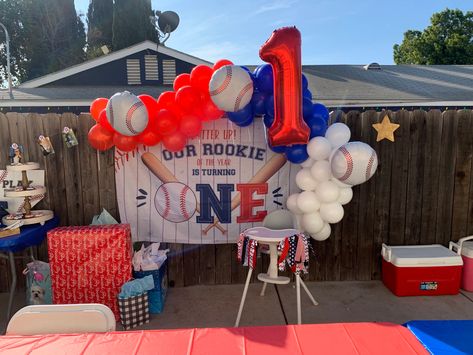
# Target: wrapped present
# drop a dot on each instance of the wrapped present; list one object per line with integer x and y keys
{"x": 89, "y": 264}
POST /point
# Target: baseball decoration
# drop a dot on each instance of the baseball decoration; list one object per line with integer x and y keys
{"x": 175, "y": 202}
{"x": 327, "y": 177}
{"x": 231, "y": 88}
{"x": 354, "y": 163}
{"x": 127, "y": 114}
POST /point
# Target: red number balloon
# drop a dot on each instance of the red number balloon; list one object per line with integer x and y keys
{"x": 283, "y": 51}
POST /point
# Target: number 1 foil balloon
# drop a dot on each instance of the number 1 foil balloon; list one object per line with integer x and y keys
{"x": 283, "y": 51}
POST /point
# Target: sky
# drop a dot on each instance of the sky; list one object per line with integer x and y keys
{"x": 333, "y": 32}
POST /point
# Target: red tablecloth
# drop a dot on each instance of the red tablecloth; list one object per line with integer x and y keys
{"x": 337, "y": 338}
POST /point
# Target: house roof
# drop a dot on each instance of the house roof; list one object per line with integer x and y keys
{"x": 332, "y": 85}
{"x": 122, "y": 53}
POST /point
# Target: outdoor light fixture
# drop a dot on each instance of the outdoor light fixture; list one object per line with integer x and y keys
{"x": 165, "y": 22}
{"x": 8, "y": 57}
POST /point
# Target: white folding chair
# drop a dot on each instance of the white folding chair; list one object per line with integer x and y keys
{"x": 62, "y": 318}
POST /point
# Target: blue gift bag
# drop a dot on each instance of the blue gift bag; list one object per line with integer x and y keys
{"x": 156, "y": 296}
{"x": 38, "y": 283}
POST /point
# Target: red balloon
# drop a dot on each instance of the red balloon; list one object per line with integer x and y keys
{"x": 124, "y": 143}
{"x": 97, "y": 106}
{"x": 187, "y": 98}
{"x": 283, "y": 51}
{"x": 210, "y": 111}
{"x": 99, "y": 138}
{"x": 149, "y": 138}
{"x": 175, "y": 142}
{"x": 103, "y": 121}
{"x": 166, "y": 123}
{"x": 151, "y": 106}
{"x": 191, "y": 126}
{"x": 200, "y": 77}
{"x": 167, "y": 99}
{"x": 221, "y": 63}
{"x": 181, "y": 80}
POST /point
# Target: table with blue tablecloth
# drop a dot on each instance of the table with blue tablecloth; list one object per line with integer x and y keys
{"x": 30, "y": 236}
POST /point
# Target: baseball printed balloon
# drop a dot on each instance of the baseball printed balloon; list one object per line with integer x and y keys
{"x": 175, "y": 202}
{"x": 231, "y": 88}
{"x": 333, "y": 167}
{"x": 354, "y": 163}
{"x": 127, "y": 114}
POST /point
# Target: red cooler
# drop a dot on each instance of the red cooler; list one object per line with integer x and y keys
{"x": 421, "y": 270}
{"x": 465, "y": 249}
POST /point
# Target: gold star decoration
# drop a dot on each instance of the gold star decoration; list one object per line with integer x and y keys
{"x": 385, "y": 129}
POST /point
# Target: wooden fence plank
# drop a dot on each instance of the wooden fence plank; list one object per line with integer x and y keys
{"x": 176, "y": 265}
{"x": 446, "y": 178}
{"x": 207, "y": 264}
{"x": 400, "y": 166}
{"x": 415, "y": 177}
{"x": 223, "y": 263}
{"x": 384, "y": 150}
{"x": 72, "y": 174}
{"x": 430, "y": 185}
{"x": 462, "y": 176}
{"x": 88, "y": 166}
{"x": 191, "y": 264}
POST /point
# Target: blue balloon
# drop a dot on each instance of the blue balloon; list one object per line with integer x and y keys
{"x": 270, "y": 105}
{"x": 264, "y": 78}
{"x": 306, "y": 93}
{"x": 305, "y": 82}
{"x": 306, "y": 108}
{"x": 268, "y": 120}
{"x": 258, "y": 102}
{"x": 319, "y": 110}
{"x": 297, "y": 153}
{"x": 246, "y": 123}
{"x": 245, "y": 68}
{"x": 280, "y": 149}
{"x": 317, "y": 126}
{"x": 242, "y": 116}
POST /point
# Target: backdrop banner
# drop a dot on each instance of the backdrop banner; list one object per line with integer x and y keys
{"x": 222, "y": 183}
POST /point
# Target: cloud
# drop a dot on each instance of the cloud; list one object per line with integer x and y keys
{"x": 275, "y": 5}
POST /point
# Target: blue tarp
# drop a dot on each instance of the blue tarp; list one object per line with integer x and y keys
{"x": 444, "y": 336}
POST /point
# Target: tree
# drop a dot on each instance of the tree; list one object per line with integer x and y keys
{"x": 10, "y": 16}
{"x": 131, "y": 23}
{"x": 55, "y": 36}
{"x": 99, "y": 29}
{"x": 448, "y": 40}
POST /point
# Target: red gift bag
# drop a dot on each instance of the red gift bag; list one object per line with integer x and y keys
{"x": 89, "y": 264}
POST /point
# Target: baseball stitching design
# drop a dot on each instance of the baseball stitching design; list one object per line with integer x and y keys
{"x": 182, "y": 202}
{"x": 111, "y": 119}
{"x": 242, "y": 93}
{"x": 32, "y": 198}
{"x": 370, "y": 166}
{"x": 349, "y": 161}
{"x": 167, "y": 201}
{"x": 225, "y": 83}
{"x": 129, "y": 116}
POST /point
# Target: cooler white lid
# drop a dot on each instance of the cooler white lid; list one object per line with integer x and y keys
{"x": 421, "y": 255}
{"x": 467, "y": 249}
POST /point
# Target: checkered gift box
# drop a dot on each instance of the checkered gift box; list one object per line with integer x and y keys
{"x": 134, "y": 311}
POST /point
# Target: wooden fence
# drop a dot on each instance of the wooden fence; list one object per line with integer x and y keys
{"x": 420, "y": 194}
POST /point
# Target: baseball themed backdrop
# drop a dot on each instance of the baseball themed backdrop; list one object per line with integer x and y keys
{"x": 220, "y": 184}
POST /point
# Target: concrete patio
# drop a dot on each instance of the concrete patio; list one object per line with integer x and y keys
{"x": 217, "y": 306}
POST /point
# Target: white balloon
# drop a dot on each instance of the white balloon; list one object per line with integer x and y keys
{"x": 319, "y": 148}
{"x": 312, "y": 222}
{"x": 304, "y": 180}
{"x": 338, "y": 134}
{"x": 127, "y": 113}
{"x": 307, "y": 202}
{"x": 307, "y": 163}
{"x": 321, "y": 170}
{"x": 291, "y": 204}
{"x": 331, "y": 212}
{"x": 327, "y": 192}
{"x": 354, "y": 163}
{"x": 323, "y": 234}
{"x": 346, "y": 194}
